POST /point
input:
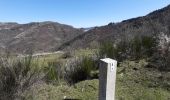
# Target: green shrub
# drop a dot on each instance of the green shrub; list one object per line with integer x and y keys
{"x": 142, "y": 47}
{"x": 149, "y": 44}
{"x": 54, "y": 72}
{"x": 80, "y": 70}
{"x": 119, "y": 51}
{"x": 106, "y": 50}
{"x": 122, "y": 50}
{"x": 136, "y": 48}
{"x": 16, "y": 76}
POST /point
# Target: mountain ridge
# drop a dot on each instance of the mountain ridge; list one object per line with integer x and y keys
{"x": 152, "y": 24}
{"x": 36, "y": 36}
{"x": 53, "y": 36}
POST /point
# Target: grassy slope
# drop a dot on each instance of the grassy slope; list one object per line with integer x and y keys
{"x": 134, "y": 82}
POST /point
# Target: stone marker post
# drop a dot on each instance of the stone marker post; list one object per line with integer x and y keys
{"x": 107, "y": 79}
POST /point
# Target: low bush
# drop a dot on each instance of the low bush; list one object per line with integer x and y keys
{"x": 136, "y": 48}
{"x": 161, "y": 57}
{"x": 143, "y": 46}
{"x": 16, "y": 76}
{"x": 54, "y": 72}
{"x": 80, "y": 70}
{"x": 106, "y": 50}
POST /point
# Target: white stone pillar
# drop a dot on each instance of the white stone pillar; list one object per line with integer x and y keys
{"x": 107, "y": 79}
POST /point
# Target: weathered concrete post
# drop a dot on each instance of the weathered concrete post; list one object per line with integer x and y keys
{"x": 107, "y": 79}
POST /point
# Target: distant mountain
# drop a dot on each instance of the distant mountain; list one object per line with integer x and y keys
{"x": 7, "y": 25}
{"x": 36, "y": 36}
{"x": 87, "y": 29}
{"x": 53, "y": 36}
{"x": 157, "y": 22}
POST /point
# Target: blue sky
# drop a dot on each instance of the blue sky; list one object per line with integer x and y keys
{"x": 78, "y": 13}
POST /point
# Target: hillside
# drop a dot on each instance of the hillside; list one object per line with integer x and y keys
{"x": 36, "y": 37}
{"x": 52, "y": 36}
{"x": 152, "y": 24}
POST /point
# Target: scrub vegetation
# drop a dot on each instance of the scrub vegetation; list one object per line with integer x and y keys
{"x": 142, "y": 74}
